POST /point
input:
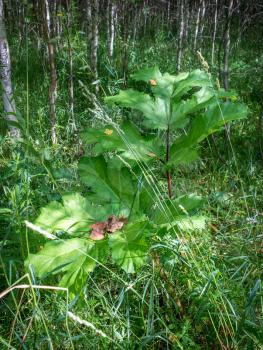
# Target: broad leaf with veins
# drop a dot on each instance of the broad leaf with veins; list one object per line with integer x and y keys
{"x": 74, "y": 258}
{"x": 124, "y": 209}
{"x": 130, "y": 246}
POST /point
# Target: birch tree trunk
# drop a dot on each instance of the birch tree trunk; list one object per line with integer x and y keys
{"x": 214, "y": 34}
{"x": 88, "y": 19}
{"x": 168, "y": 13}
{"x": 70, "y": 58}
{"x": 111, "y": 29}
{"x": 5, "y": 71}
{"x": 53, "y": 74}
{"x": 197, "y": 23}
{"x": 126, "y": 39}
{"x": 227, "y": 45}
{"x": 181, "y": 36}
{"x": 202, "y": 21}
{"x": 95, "y": 41}
{"x": 186, "y": 25}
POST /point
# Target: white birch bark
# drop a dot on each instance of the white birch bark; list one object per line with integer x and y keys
{"x": 197, "y": 23}
{"x": 181, "y": 36}
{"x": 53, "y": 73}
{"x": 111, "y": 29}
{"x": 70, "y": 58}
{"x": 202, "y": 21}
{"x": 227, "y": 46}
{"x": 5, "y": 71}
{"x": 214, "y": 34}
{"x": 95, "y": 41}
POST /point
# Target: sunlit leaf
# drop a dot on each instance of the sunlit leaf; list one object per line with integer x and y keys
{"x": 147, "y": 74}
{"x": 111, "y": 184}
{"x": 126, "y": 141}
{"x": 130, "y": 246}
{"x": 73, "y": 215}
{"x": 75, "y": 258}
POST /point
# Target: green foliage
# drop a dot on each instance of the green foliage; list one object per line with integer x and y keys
{"x": 73, "y": 215}
{"x": 120, "y": 214}
{"x": 127, "y": 141}
{"x": 189, "y": 101}
{"x": 112, "y": 183}
{"x": 73, "y": 258}
{"x": 130, "y": 246}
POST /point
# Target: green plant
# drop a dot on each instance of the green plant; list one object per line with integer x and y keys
{"x": 124, "y": 212}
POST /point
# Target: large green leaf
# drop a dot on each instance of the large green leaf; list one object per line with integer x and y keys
{"x": 215, "y": 117}
{"x": 181, "y": 212}
{"x": 74, "y": 259}
{"x": 167, "y": 106}
{"x": 147, "y": 74}
{"x": 112, "y": 184}
{"x": 195, "y": 79}
{"x": 212, "y": 120}
{"x": 126, "y": 141}
{"x": 181, "y": 156}
{"x": 104, "y": 139}
{"x": 132, "y": 99}
{"x": 156, "y": 111}
{"x": 162, "y": 85}
{"x": 130, "y": 246}
{"x": 73, "y": 215}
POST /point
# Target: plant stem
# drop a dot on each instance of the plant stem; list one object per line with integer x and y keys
{"x": 168, "y": 174}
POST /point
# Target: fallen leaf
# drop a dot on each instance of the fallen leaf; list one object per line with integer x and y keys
{"x": 114, "y": 224}
{"x": 111, "y": 225}
{"x": 98, "y": 231}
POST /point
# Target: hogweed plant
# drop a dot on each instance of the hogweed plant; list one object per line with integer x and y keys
{"x": 124, "y": 214}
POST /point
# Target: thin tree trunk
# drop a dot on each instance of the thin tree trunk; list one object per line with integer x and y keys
{"x": 70, "y": 58}
{"x": 181, "y": 36}
{"x": 111, "y": 29}
{"x": 53, "y": 73}
{"x": 5, "y": 71}
{"x": 197, "y": 23}
{"x": 136, "y": 26}
{"x": 227, "y": 46}
{"x": 186, "y": 26}
{"x": 88, "y": 18}
{"x": 202, "y": 21}
{"x": 168, "y": 13}
{"x": 145, "y": 6}
{"x": 95, "y": 42}
{"x": 214, "y": 34}
{"x": 126, "y": 39}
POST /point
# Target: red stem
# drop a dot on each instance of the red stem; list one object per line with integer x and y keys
{"x": 168, "y": 174}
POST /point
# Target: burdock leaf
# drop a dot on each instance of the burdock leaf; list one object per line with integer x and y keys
{"x": 126, "y": 141}
{"x": 111, "y": 182}
{"x": 179, "y": 210}
{"x": 130, "y": 246}
{"x": 147, "y": 74}
{"x": 73, "y": 215}
{"x": 155, "y": 110}
{"x": 74, "y": 258}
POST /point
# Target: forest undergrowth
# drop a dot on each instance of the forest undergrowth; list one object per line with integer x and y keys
{"x": 198, "y": 288}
